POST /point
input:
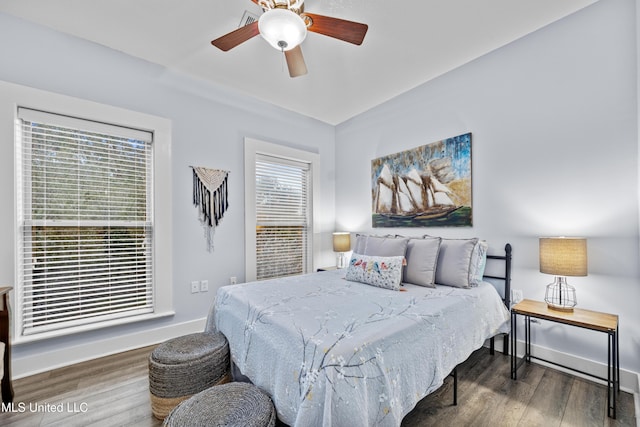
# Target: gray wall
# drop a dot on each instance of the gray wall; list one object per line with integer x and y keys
{"x": 554, "y": 152}
{"x": 209, "y": 126}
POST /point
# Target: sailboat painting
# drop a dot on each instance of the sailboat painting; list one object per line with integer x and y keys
{"x": 428, "y": 186}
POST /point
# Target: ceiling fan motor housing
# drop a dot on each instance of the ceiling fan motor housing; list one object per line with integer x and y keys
{"x": 294, "y": 5}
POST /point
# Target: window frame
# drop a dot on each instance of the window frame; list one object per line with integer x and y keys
{"x": 252, "y": 148}
{"x": 15, "y": 96}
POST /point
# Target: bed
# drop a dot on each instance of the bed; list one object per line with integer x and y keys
{"x": 331, "y": 351}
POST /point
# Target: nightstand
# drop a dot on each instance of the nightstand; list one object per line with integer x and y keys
{"x": 592, "y": 320}
{"x": 327, "y": 268}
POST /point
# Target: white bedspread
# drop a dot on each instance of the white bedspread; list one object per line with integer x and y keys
{"x": 331, "y": 352}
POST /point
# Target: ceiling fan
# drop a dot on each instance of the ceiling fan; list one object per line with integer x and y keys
{"x": 284, "y": 24}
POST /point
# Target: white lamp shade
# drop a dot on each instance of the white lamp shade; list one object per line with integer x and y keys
{"x": 282, "y": 28}
{"x": 563, "y": 256}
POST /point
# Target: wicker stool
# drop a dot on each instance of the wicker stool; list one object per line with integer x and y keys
{"x": 184, "y": 366}
{"x": 231, "y": 405}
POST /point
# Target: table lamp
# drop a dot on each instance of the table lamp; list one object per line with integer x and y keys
{"x": 341, "y": 244}
{"x": 562, "y": 256}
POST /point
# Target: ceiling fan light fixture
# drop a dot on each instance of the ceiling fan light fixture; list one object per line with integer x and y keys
{"x": 282, "y": 28}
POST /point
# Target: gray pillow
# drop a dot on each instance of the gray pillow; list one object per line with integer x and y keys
{"x": 422, "y": 259}
{"x": 361, "y": 242}
{"x": 381, "y": 246}
{"x": 454, "y": 262}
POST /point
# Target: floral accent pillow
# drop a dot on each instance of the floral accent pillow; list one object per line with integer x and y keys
{"x": 383, "y": 272}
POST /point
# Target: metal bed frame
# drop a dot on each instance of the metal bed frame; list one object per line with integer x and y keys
{"x": 506, "y": 277}
{"x": 507, "y": 292}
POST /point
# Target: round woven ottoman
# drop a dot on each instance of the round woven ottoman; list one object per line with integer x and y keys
{"x": 231, "y": 404}
{"x": 184, "y": 366}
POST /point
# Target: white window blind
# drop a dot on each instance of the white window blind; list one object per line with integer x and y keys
{"x": 85, "y": 218}
{"x": 283, "y": 217}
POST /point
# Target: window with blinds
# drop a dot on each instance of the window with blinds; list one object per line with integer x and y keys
{"x": 85, "y": 222}
{"x": 283, "y": 217}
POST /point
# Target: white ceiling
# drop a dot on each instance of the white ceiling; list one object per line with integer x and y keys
{"x": 408, "y": 43}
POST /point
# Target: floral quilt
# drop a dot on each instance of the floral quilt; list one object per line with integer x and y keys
{"x": 332, "y": 352}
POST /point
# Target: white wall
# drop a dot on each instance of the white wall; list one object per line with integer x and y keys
{"x": 554, "y": 152}
{"x": 209, "y": 125}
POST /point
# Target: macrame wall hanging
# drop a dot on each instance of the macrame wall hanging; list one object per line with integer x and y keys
{"x": 210, "y": 194}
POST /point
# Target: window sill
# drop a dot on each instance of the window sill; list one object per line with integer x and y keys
{"x": 24, "y": 339}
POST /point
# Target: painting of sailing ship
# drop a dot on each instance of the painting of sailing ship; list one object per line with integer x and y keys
{"x": 428, "y": 186}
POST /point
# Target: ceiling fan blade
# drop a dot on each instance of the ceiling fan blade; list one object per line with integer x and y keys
{"x": 348, "y": 31}
{"x": 236, "y": 37}
{"x": 295, "y": 62}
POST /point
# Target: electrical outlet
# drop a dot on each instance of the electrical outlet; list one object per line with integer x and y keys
{"x": 204, "y": 286}
{"x": 518, "y": 295}
{"x": 195, "y": 287}
{"x": 233, "y": 280}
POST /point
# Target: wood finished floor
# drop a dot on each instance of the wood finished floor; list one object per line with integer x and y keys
{"x": 113, "y": 391}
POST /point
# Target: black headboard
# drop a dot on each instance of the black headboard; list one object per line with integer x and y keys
{"x": 506, "y": 277}
{"x": 507, "y": 273}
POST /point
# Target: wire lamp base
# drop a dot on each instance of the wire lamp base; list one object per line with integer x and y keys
{"x": 560, "y": 295}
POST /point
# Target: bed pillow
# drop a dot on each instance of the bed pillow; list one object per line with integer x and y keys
{"x": 478, "y": 262}
{"x": 383, "y": 272}
{"x": 422, "y": 259}
{"x": 454, "y": 262}
{"x": 380, "y": 245}
{"x": 361, "y": 242}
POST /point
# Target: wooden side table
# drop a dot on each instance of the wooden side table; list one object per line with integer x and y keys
{"x": 7, "y": 388}
{"x": 592, "y": 320}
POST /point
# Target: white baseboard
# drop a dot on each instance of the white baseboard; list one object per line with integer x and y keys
{"x": 30, "y": 365}
{"x": 629, "y": 380}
